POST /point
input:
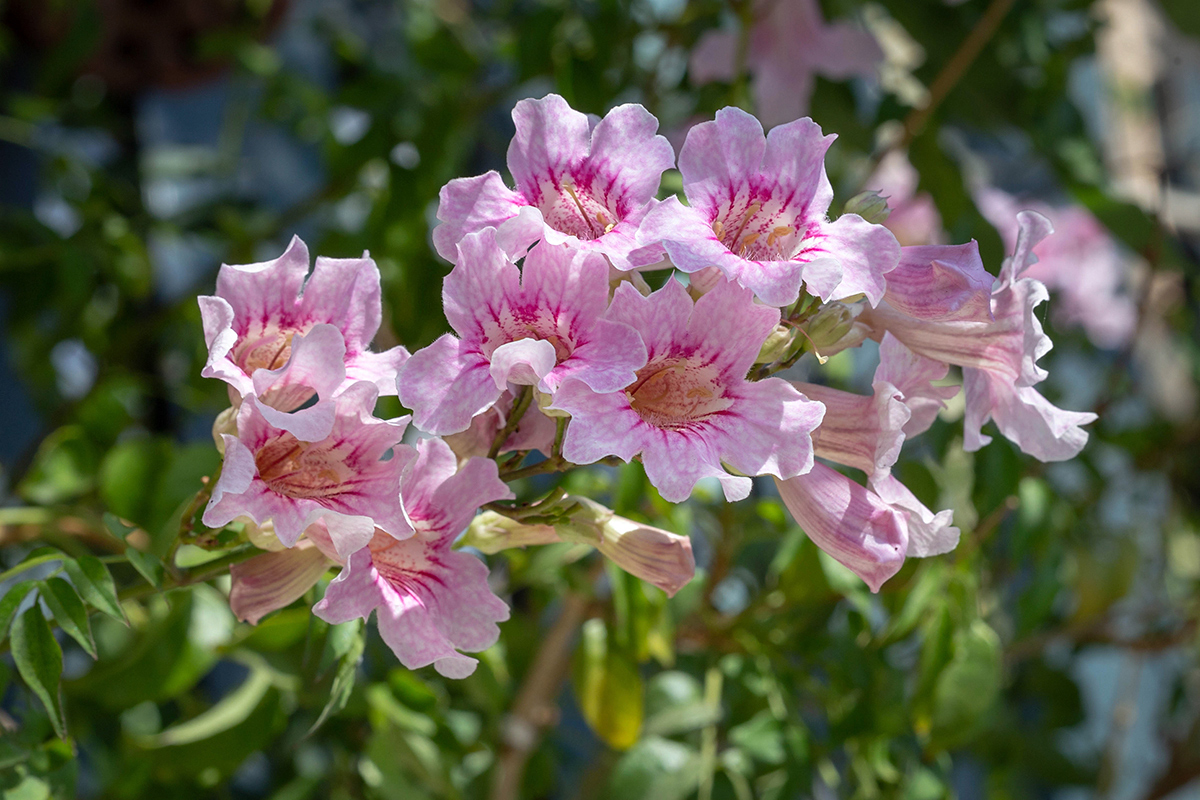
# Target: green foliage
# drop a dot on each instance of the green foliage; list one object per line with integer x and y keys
{"x": 774, "y": 674}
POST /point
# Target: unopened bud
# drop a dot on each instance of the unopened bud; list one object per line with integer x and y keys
{"x": 543, "y": 403}
{"x": 868, "y": 205}
{"x": 656, "y": 556}
{"x": 490, "y": 533}
{"x": 263, "y": 536}
{"x": 776, "y": 346}
{"x": 226, "y": 422}
{"x": 835, "y": 327}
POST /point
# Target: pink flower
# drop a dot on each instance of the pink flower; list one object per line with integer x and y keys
{"x": 269, "y": 474}
{"x": 757, "y": 211}
{"x": 789, "y": 45}
{"x": 998, "y": 347}
{"x": 430, "y": 601}
{"x": 691, "y": 409}
{"x": 1081, "y": 264}
{"x": 869, "y": 530}
{"x": 537, "y": 325}
{"x": 849, "y": 522}
{"x": 579, "y": 181}
{"x": 311, "y": 337}
{"x": 867, "y": 432}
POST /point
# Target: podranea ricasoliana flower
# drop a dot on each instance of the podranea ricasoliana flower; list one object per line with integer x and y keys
{"x": 262, "y": 315}
{"x": 579, "y": 182}
{"x": 872, "y": 529}
{"x": 537, "y": 326}
{"x": 430, "y": 601}
{"x": 343, "y": 479}
{"x": 757, "y": 210}
{"x": 691, "y": 410}
{"x": 942, "y": 311}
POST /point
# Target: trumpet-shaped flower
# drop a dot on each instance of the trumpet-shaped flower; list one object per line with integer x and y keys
{"x": 580, "y": 182}
{"x": 430, "y": 601}
{"x": 997, "y": 346}
{"x": 270, "y": 474}
{"x": 537, "y": 325}
{"x": 691, "y": 409}
{"x": 757, "y": 211}
{"x": 867, "y": 432}
{"x": 266, "y": 318}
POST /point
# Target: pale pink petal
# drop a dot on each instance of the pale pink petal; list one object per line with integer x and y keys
{"x": 218, "y": 319}
{"x": 1032, "y": 228}
{"x": 378, "y": 368}
{"x": 858, "y": 431}
{"x": 535, "y": 431}
{"x": 524, "y": 362}
{"x": 316, "y": 367}
{"x": 864, "y": 251}
{"x": 446, "y": 385}
{"x": 658, "y": 321}
{"x": 267, "y": 290}
{"x": 848, "y": 522}
{"x": 914, "y": 376}
{"x": 656, "y": 556}
{"x": 273, "y": 580}
{"x": 441, "y": 498}
{"x": 722, "y": 157}
{"x": 627, "y": 159}
{"x": 941, "y": 282}
{"x": 354, "y": 593}
{"x": 1023, "y": 415}
{"x": 768, "y": 432}
{"x": 607, "y": 361}
{"x": 552, "y": 138}
{"x": 477, "y": 292}
{"x": 726, "y": 328}
{"x": 929, "y": 534}
{"x": 467, "y": 205}
{"x": 845, "y": 51}
{"x": 345, "y": 292}
{"x": 601, "y": 424}
{"x": 794, "y": 161}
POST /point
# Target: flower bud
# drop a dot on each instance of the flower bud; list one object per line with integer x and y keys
{"x": 490, "y": 533}
{"x": 226, "y": 422}
{"x": 868, "y": 205}
{"x": 271, "y": 581}
{"x": 263, "y": 536}
{"x": 543, "y": 403}
{"x": 835, "y": 327}
{"x": 776, "y": 346}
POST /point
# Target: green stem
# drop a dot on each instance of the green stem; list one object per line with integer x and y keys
{"x": 520, "y": 405}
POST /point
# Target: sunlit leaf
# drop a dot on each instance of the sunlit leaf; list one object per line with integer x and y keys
{"x": 39, "y": 662}
{"x": 69, "y": 611}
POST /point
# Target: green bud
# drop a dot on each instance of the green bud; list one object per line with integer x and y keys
{"x": 834, "y": 328}
{"x": 776, "y": 346}
{"x": 868, "y": 205}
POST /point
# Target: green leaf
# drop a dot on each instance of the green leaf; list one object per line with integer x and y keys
{"x": 968, "y": 686}
{"x": 10, "y": 602}
{"x": 148, "y": 564}
{"x": 116, "y": 527}
{"x": 656, "y": 769}
{"x": 39, "y": 661}
{"x": 95, "y": 585}
{"x": 69, "y": 610}
{"x": 30, "y": 788}
{"x": 343, "y": 679}
{"x": 608, "y": 687}
{"x": 760, "y": 737}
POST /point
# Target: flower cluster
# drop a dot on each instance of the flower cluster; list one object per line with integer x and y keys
{"x": 559, "y": 346}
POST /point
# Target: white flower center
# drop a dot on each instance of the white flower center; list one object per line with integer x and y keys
{"x": 758, "y": 231}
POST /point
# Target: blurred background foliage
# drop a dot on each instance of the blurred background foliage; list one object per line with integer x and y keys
{"x": 142, "y": 144}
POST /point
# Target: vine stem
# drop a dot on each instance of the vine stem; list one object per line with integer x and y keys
{"x": 949, "y": 76}
{"x": 519, "y": 407}
{"x": 555, "y": 463}
{"x": 534, "y": 708}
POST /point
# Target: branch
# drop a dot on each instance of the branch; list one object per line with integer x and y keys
{"x": 535, "y": 708}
